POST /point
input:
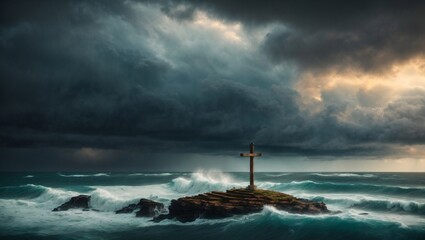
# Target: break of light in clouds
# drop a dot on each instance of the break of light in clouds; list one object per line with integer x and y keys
{"x": 123, "y": 85}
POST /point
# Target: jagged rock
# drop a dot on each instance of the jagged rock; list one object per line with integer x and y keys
{"x": 80, "y": 201}
{"x": 237, "y": 201}
{"x": 129, "y": 209}
{"x": 147, "y": 208}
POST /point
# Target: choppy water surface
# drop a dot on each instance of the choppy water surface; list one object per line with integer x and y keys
{"x": 394, "y": 203}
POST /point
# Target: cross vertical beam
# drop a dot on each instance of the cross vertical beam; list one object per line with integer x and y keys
{"x": 251, "y": 165}
{"x": 251, "y": 156}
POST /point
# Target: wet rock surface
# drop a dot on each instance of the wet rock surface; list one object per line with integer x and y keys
{"x": 80, "y": 201}
{"x": 146, "y": 207}
{"x": 237, "y": 201}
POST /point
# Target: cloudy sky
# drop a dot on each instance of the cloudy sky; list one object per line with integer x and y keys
{"x": 181, "y": 85}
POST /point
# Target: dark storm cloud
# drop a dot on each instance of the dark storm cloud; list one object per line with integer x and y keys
{"x": 372, "y": 49}
{"x": 405, "y": 120}
{"x": 369, "y": 36}
{"x": 318, "y": 35}
{"x": 115, "y": 75}
{"x": 66, "y": 84}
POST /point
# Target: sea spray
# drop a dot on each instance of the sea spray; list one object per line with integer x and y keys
{"x": 204, "y": 181}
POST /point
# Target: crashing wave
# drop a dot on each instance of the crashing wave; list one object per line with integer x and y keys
{"x": 36, "y": 193}
{"x": 104, "y": 200}
{"x": 203, "y": 181}
{"x": 112, "y": 198}
{"x": 27, "y": 191}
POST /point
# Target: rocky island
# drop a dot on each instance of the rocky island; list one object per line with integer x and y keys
{"x": 212, "y": 205}
{"x": 237, "y": 201}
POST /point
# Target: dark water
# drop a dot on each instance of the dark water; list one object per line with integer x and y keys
{"x": 394, "y": 204}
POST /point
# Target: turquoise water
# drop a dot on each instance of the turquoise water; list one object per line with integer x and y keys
{"x": 373, "y": 205}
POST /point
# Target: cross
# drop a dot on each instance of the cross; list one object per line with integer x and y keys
{"x": 251, "y": 156}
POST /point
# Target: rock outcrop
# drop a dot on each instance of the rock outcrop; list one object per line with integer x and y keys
{"x": 147, "y": 208}
{"x": 211, "y": 205}
{"x": 80, "y": 201}
{"x": 237, "y": 201}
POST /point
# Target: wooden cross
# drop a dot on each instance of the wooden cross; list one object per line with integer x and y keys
{"x": 251, "y": 156}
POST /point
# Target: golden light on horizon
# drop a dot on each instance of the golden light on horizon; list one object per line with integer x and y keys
{"x": 376, "y": 88}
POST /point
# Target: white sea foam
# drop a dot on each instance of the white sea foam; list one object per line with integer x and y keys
{"x": 344, "y": 175}
{"x": 150, "y": 174}
{"x": 277, "y": 175}
{"x": 28, "y": 176}
{"x": 85, "y": 175}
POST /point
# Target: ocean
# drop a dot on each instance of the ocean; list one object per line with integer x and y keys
{"x": 373, "y": 205}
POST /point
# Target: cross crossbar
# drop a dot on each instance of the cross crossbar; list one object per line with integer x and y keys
{"x": 251, "y": 154}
